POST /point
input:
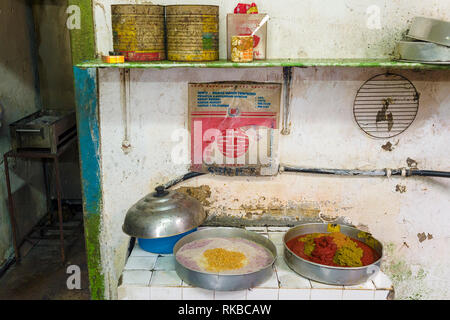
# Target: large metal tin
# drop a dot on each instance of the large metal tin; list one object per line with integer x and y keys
{"x": 328, "y": 274}
{"x": 138, "y": 31}
{"x": 432, "y": 30}
{"x": 422, "y": 51}
{"x": 214, "y": 281}
{"x": 192, "y": 32}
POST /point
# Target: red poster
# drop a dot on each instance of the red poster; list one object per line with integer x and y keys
{"x": 234, "y": 127}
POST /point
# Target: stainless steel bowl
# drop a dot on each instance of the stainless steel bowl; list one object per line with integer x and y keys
{"x": 432, "y": 30}
{"x": 214, "y": 281}
{"x": 328, "y": 274}
{"x": 422, "y": 51}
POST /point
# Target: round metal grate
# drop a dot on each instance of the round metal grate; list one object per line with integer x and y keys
{"x": 386, "y": 105}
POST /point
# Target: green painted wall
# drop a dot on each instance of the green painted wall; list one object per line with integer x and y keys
{"x": 85, "y": 82}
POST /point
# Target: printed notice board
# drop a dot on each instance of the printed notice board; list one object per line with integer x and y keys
{"x": 234, "y": 127}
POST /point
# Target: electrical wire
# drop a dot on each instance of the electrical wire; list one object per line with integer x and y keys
{"x": 182, "y": 178}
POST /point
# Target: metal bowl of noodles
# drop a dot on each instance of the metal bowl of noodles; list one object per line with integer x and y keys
{"x": 331, "y": 274}
{"x": 224, "y": 281}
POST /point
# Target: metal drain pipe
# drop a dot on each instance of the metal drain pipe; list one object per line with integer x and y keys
{"x": 430, "y": 173}
{"x": 405, "y": 172}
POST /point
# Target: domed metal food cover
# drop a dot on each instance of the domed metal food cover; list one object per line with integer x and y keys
{"x": 163, "y": 213}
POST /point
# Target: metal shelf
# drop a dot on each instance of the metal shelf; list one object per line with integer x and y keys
{"x": 356, "y": 63}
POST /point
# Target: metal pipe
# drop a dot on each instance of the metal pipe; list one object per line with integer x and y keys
{"x": 125, "y": 104}
{"x": 430, "y": 173}
{"x": 6, "y": 265}
{"x": 341, "y": 172}
{"x": 371, "y": 173}
{"x": 11, "y": 209}
{"x": 407, "y": 172}
{"x": 287, "y": 83}
{"x": 60, "y": 217}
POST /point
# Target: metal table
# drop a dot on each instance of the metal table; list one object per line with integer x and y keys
{"x": 44, "y": 155}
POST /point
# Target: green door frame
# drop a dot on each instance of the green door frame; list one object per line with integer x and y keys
{"x": 82, "y": 42}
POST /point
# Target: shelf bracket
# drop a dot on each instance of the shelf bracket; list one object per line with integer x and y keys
{"x": 287, "y": 82}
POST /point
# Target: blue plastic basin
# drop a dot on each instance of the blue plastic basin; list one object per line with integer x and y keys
{"x": 162, "y": 245}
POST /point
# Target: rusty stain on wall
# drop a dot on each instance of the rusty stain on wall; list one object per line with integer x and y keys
{"x": 422, "y": 236}
{"x": 411, "y": 163}
{"x": 363, "y": 227}
{"x": 228, "y": 210}
{"x": 387, "y": 146}
{"x": 400, "y": 188}
{"x": 201, "y": 193}
{"x": 276, "y": 208}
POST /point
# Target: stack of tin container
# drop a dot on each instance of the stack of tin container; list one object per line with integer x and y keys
{"x": 192, "y": 32}
{"x": 138, "y": 32}
{"x": 147, "y": 32}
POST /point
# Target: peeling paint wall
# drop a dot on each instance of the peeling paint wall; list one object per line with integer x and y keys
{"x": 19, "y": 97}
{"x": 323, "y": 134}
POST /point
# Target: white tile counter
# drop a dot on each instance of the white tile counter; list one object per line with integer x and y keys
{"x": 149, "y": 276}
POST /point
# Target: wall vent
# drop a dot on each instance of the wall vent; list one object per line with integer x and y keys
{"x": 386, "y": 105}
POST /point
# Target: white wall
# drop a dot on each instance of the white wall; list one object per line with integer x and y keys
{"x": 323, "y": 134}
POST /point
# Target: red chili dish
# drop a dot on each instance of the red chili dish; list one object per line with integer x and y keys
{"x": 333, "y": 249}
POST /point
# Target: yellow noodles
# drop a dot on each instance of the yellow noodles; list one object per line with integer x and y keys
{"x": 219, "y": 259}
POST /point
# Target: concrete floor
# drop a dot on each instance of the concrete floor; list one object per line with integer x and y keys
{"x": 41, "y": 276}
